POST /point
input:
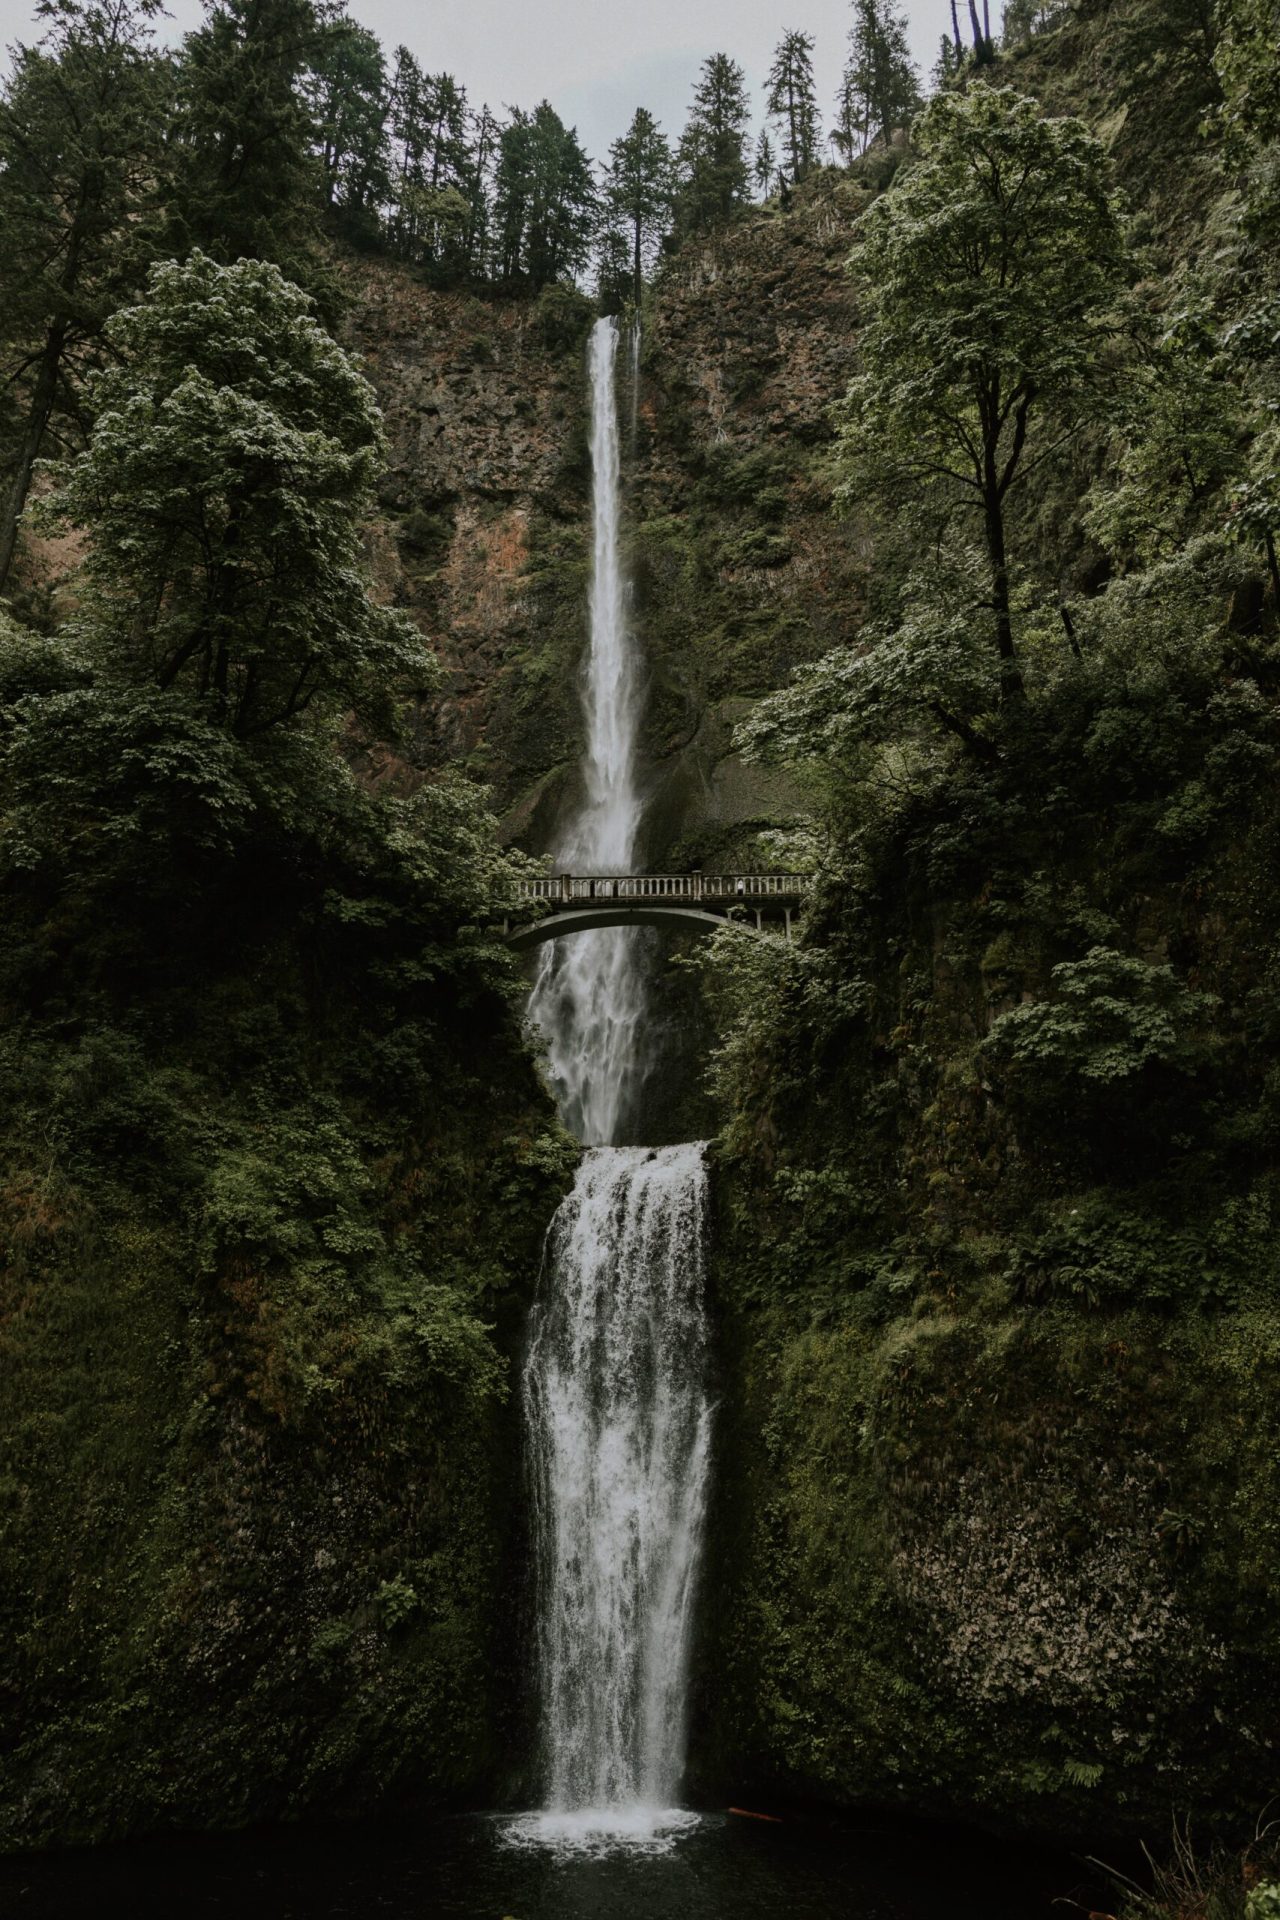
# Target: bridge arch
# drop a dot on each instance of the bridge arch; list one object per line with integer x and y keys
{"x": 558, "y": 926}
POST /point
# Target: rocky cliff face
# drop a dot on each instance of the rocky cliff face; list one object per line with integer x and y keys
{"x": 738, "y": 569}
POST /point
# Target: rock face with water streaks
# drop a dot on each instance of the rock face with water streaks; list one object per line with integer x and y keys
{"x": 737, "y": 571}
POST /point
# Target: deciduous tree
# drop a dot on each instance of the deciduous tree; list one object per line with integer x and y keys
{"x": 989, "y": 273}
{"x": 222, "y": 491}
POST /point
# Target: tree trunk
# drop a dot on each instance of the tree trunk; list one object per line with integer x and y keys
{"x": 1269, "y": 542}
{"x": 1011, "y": 687}
{"x": 42, "y": 400}
{"x": 955, "y": 28}
{"x": 638, "y": 273}
{"x": 977, "y": 30}
{"x": 993, "y": 521}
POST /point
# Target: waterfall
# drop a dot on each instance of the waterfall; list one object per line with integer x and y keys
{"x": 614, "y": 1391}
{"x": 619, "y": 1426}
{"x": 588, "y": 999}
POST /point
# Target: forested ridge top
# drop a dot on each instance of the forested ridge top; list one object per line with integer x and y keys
{"x": 280, "y": 126}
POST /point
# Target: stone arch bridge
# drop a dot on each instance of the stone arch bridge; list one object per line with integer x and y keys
{"x": 689, "y": 902}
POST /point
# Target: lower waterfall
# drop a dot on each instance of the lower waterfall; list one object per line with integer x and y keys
{"x": 619, "y": 1432}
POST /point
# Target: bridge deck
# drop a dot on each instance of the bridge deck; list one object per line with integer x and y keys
{"x": 658, "y": 889}
{"x": 693, "y": 902}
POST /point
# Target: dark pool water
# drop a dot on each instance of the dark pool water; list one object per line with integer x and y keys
{"x": 717, "y": 1867}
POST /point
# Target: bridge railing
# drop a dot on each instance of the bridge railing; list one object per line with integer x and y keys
{"x": 722, "y": 888}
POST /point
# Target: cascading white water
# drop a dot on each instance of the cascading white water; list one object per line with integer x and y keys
{"x": 614, "y": 1385}
{"x": 619, "y": 1428}
{"x": 589, "y": 995}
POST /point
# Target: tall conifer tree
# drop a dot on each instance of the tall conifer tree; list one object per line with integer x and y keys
{"x": 639, "y": 187}
{"x": 880, "y": 89}
{"x": 545, "y": 203}
{"x": 764, "y": 166}
{"x": 792, "y": 103}
{"x": 349, "y": 101}
{"x": 248, "y": 176}
{"x": 712, "y": 156}
{"x": 81, "y": 127}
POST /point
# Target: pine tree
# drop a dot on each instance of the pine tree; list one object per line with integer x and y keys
{"x": 480, "y": 189}
{"x": 792, "y": 103}
{"x": 545, "y": 202}
{"x": 409, "y": 149}
{"x": 81, "y": 128}
{"x": 614, "y": 275}
{"x": 434, "y": 190}
{"x": 639, "y": 188}
{"x": 764, "y": 167}
{"x": 880, "y": 91}
{"x": 446, "y": 210}
{"x": 349, "y": 101}
{"x": 711, "y": 157}
{"x": 247, "y": 172}
{"x": 948, "y": 63}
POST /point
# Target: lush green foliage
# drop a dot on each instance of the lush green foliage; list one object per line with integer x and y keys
{"x": 274, "y": 1164}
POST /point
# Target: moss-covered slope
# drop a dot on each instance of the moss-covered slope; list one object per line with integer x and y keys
{"x": 269, "y": 1220}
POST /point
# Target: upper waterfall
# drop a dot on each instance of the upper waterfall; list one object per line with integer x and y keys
{"x": 589, "y": 997}
{"x": 603, "y": 837}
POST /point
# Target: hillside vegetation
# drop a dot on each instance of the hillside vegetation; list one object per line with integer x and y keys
{"x": 996, "y": 1248}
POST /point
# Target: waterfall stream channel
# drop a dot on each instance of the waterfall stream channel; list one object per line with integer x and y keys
{"x": 615, "y": 1398}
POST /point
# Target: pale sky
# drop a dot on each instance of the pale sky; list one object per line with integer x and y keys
{"x": 596, "y": 64}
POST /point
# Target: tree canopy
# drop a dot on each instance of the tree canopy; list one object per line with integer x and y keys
{"x": 880, "y": 88}
{"x": 247, "y": 178}
{"x": 545, "y": 199}
{"x": 639, "y": 190}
